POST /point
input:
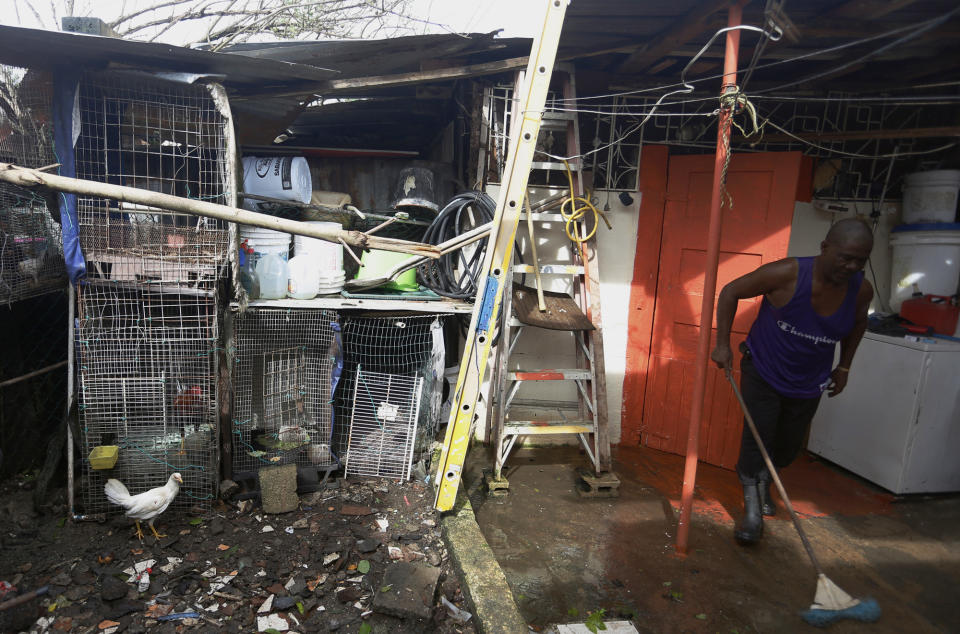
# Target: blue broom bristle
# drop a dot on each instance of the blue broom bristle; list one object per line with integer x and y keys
{"x": 867, "y": 611}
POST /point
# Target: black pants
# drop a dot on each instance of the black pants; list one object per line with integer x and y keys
{"x": 782, "y": 422}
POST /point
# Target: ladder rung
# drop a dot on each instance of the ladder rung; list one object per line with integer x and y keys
{"x": 550, "y": 165}
{"x": 550, "y": 269}
{"x": 572, "y": 374}
{"x": 553, "y": 115}
{"x": 544, "y": 217}
{"x": 548, "y": 426}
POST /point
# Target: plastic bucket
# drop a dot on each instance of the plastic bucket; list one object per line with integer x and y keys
{"x": 376, "y": 263}
{"x": 280, "y": 177}
{"x": 931, "y": 196}
{"x": 329, "y": 254}
{"x": 261, "y": 249}
{"x": 926, "y": 256}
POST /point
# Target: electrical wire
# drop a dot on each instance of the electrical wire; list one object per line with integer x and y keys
{"x": 686, "y": 89}
{"x": 816, "y": 53}
{"x": 856, "y": 154}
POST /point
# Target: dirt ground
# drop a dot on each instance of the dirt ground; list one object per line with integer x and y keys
{"x": 323, "y": 565}
{"x": 565, "y": 557}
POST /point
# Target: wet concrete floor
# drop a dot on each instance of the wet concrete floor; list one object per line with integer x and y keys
{"x": 565, "y": 556}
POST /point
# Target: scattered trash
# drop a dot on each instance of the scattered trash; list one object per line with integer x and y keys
{"x": 272, "y": 622}
{"x": 140, "y": 574}
{"x": 330, "y": 558}
{"x": 383, "y": 524}
{"x": 23, "y": 598}
{"x": 266, "y": 606}
{"x": 319, "y": 581}
{"x": 179, "y": 616}
{"x": 170, "y": 566}
{"x": 289, "y": 530}
{"x": 458, "y": 615}
{"x": 394, "y": 552}
{"x": 267, "y": 529}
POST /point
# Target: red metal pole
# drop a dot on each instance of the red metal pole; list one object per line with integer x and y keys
{"x": 734, "y": 18}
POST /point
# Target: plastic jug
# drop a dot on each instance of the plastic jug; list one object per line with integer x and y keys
{"x": 273, "y": 274}
{"x": 304, "y": 277}
{"x": 248, "y": 274}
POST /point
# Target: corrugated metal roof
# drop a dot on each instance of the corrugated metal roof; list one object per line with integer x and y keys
{"x": 48, "y": 50}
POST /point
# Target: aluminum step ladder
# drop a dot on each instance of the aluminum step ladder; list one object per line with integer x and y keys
{"x": 590, "y": 425}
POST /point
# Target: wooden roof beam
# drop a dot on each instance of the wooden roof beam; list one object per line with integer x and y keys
{"x": 681, "y": 31}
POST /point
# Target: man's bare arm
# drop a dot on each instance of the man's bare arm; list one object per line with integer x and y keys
{"x": 768, "y": 279}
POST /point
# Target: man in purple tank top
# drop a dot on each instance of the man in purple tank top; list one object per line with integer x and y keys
{"x": 809, "y": 305}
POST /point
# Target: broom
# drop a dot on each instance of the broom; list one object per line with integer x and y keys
{"x": 830, "y": 603}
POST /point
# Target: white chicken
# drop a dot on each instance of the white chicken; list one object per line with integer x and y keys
{"x": 144, "y": 506}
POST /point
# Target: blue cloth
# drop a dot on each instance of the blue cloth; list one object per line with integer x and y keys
{"x": 792, "y": 346}
{"x": 65, "y": 86}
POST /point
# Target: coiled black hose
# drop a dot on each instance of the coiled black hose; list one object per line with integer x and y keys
{"x": 454, "y": 275}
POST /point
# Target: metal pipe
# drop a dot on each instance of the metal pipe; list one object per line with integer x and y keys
{"x": 30, "y": 375}
{"x": 71, "y": 314}
{"x": 734, "y": 17}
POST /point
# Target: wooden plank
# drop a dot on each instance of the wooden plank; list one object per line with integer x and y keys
{"x": 421, "y": 77}
{"x": 682, "y": 30}
{"x": 868, "y": 9}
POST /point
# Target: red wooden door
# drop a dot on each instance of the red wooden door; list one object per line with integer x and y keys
{"x": 756, "y": 230}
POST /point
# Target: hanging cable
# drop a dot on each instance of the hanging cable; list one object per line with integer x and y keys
{"x": 577, "y": 211}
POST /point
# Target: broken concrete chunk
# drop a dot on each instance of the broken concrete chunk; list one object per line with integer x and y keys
{"x": 278, "y": 488}
{"x": 412, "y": 591}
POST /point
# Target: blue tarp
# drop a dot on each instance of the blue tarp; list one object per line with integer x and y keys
{"x": 64, "y": 96}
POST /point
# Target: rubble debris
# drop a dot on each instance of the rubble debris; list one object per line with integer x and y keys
{"x": 412, "y": 593}
{"x": 278, "y": 488}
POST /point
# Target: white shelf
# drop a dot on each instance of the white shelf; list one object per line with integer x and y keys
{"x": 335, "y": 302}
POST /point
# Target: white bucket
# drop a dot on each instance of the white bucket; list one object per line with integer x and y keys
{"x": 281, "y": 177}
{"x": 329, "y": 254}
{"x": 930, "y": 196}
{"x": 927, "y": 256}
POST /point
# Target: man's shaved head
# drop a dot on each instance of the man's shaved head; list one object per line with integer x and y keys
{"x": 849, "y": 231}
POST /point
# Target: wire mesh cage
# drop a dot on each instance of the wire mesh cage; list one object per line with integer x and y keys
{"x": 31, "y": 252}
{"x": 383, "y": 425}
{"x": 409, "y": 346}
{"x": 163, "y": 137}
{"x": 147, "y": 368}
{"x": 285, "y": 366}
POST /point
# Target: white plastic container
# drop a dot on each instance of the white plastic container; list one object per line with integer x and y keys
{"x": 273, "y": 274}
{"x": 329, "y": 254}
{"x": 303, "y": 281}
{"x": 930, "y": 196}
{"x": 280, "y": 177}
{"x": 925, "y": 255}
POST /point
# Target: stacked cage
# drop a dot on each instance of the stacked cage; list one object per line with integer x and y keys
{"x": 402, "y": 357}
{"x": 31, "y": 253}
{"x": 147, "y": 327}
{"x": 286, "y": 364}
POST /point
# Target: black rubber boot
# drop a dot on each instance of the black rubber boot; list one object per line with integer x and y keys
{"x": 767, "y": 507}
{"x": 750, "y": 529}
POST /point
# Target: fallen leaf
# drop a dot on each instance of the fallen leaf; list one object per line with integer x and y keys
{"x": 702, "y": 616}
{"x": 136, "y": 551}
{"x": 386, "y": 588}
{"x": 352, "y": 567}
{"x": 363, "y": 567}
{"x": 364, "y": 628}
{"x": 106, "y": 623}
{"x": 330, "y": 508}
{"x": 196, "y": 521}
{"x": 223, "y": 547}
